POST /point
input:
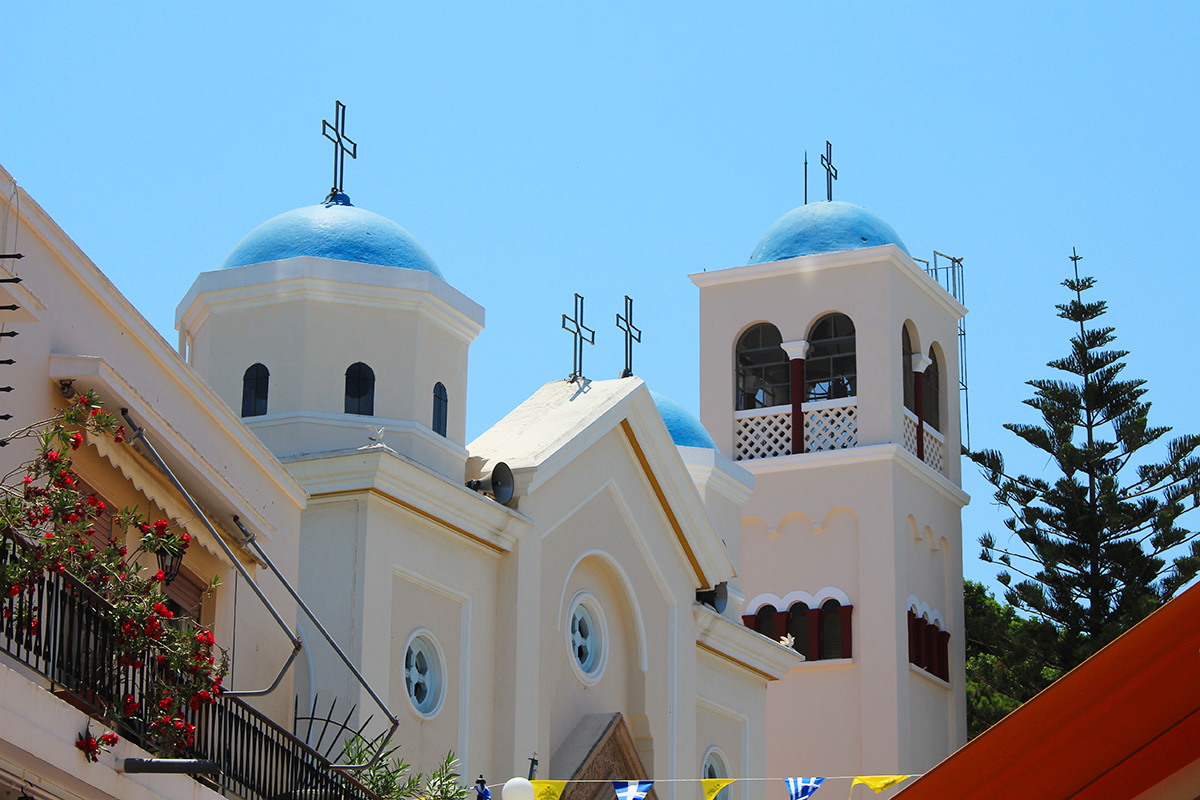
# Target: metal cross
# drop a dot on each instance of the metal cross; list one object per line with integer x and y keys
{"x": 339, "y": 140}
{"x": 632, "y": 334}
{"x": 830, "y": 170}
{"x": 805, "y": 177}
{"x": 582, "y": 334}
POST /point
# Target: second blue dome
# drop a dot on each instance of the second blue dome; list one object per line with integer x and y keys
{"x": 685, "y": 429}
{"x": 334, "y": 229}
{"x": 823, "y": 227}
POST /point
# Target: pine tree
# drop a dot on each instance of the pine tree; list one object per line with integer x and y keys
{"x": 1099, "y": 548}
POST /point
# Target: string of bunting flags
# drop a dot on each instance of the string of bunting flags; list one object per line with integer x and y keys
{"x": 798, "y": 788}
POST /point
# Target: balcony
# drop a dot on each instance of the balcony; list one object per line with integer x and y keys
{"x": 72, "y": 649}
{"x": 767, "y": 432}
{"x": 934, "y": 444}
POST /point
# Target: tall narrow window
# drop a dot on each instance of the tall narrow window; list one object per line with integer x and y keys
{"x": 906, "y": 371}
{"x": 764, "y": 375}
{"x": 930, "y": 399}
{"x": 441, "y": 404}
{"x": 254, "y": 391}
{"x": 798, "y": 628}
{"x": 830, "y": 371}
{"x": 360, "y": 390}
{"x": 831, "y": 629}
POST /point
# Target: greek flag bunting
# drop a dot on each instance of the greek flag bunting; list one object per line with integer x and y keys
{"x": 632, "y": 790}
{"x": 801, "y": 788}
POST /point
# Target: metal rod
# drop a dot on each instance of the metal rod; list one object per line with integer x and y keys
{"x": 237, "y": 564}
{"x": 251, "y": 540}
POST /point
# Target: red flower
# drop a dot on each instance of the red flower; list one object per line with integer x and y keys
{"x": 76, "y": 440}
{"x": 159, "y": 577}
{"x": 109, "y": 739}
{"x": 120, "y": 435}
{"x": 51, "y": 456}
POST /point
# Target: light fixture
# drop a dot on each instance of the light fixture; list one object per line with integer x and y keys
{"x": 169, "y": 563}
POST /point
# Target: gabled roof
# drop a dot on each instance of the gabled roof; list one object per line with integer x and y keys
{"x": 1118, "y": 724}
{"x": 562, "y": 420}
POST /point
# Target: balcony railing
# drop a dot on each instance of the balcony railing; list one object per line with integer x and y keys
{"x": 767, "y": 432}
{"x": 935, "y": 443}
{"x": 72, "y": 648}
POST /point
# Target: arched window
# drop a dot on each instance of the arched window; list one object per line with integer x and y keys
{"x": 254, "y": 391}
{"x": 360, "y": 390}
{"x": 764, "y": 376}
{"x": 714, "y": 767}
{"x": 441, "y": 404}
{"x": 765, "y": 622}
{"x": 906, "y": 371}
{"x": 798, "y": 628}
{"x": 930, "y": 398}
{"x": 831, "y": 629}
{"x": 830, "y": 371}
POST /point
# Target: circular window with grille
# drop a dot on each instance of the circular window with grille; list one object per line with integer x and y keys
{"x": 424, "y": 676}
{"x": 585, "y": 636}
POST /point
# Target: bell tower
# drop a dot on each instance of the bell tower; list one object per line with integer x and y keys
{"x": 829, "y": 369}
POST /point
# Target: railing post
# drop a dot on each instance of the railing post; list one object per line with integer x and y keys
{"x": 796, "y": 352}
{"x": 919, "y": 364}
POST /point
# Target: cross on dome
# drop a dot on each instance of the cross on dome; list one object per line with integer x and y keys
{"x": 340, "y": 149}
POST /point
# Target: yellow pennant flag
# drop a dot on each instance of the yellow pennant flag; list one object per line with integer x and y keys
{"x": 877, "y": 783}
{"x": 714, "y": 785}
{"x": 548, "y": 790}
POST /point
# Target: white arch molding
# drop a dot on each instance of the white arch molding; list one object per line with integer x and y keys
{"x": 634, "y": 607}
{"x": 814, "y": 600}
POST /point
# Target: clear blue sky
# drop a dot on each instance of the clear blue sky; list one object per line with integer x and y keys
{"x": 610, "y": 149}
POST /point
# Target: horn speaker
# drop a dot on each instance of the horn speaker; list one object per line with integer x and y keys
{"x": 497, "y": 484}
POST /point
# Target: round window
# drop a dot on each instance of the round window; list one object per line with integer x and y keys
{"x": 423, "y": 674}
{"x": 586, "y": 637}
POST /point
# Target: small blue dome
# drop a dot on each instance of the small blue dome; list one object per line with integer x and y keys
{"x": 335, "y": 229}
{"x": 685, "y": 429}
{"x": 823, "y": 227}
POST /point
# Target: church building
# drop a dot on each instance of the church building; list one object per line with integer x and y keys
{"x": 600, "y": 585}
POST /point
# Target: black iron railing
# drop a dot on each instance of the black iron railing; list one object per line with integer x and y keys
{"x": 65, "y": 632}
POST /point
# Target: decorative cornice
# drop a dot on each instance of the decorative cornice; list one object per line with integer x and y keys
{"x": 881, "y": 254}
{"x": 861, "y": 455}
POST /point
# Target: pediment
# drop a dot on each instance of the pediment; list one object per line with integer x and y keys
{"x": 600, "y": 748}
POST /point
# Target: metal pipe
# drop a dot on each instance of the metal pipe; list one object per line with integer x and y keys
{"x": 140, "y": 432}
{"x": 251, "y": 540}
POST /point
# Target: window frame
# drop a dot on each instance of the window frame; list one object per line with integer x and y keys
{"x": 835, "y": 382}
{"x": 255, "y": 390}
{"x": 363, "y": 403}
{"x": 764, "y": 380}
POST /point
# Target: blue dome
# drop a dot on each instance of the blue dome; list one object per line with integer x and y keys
{"x": 335, "y": 229}
{"x": 685, "y": 429}
{"x": 823, "y": 227}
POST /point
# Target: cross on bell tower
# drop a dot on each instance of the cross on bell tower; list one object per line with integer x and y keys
{"x": 830, "y": 170}
{"x": 340, "y": 140}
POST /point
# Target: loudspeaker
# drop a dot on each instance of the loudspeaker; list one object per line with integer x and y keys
{"x": 717, "y": 597}
{"x": 497, "y": 484}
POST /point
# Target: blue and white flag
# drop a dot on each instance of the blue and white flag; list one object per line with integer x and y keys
{"x": 631, "y": 790}
{"x": 801, "y": 788}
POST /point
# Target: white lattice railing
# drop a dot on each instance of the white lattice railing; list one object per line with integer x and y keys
{"x": 762, "y": 433}
{"x": 935, "y": 444}
{"x": 935, "y": 449}
{"x": 767, "y": 432}
{"x": 910, "y": 432}
{"x": 831, "y": 425}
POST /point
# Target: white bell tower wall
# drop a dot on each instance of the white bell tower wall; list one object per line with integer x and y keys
{"x": 855, "y": 516}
